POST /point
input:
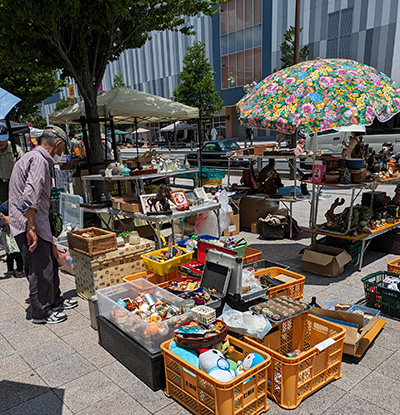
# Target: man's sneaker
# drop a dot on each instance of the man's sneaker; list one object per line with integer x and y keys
{"x": 9, "y": 274}
{"x": 66, "y": 305}
{"x": 54, "y": 318}
{"x": 19, "y": 274}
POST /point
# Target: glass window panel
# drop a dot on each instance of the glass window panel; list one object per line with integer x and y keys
{"x": 240, "y": 40}
{"x": 231, "y": 16}
{"x": 331, "y": 48}
{"x": 224, "y": 45}
{"x": 248, "y": 38}
{"x": 232, "y": 42}
{"x": 240, "y": 68}
{"x": 248, "y": 67}
{"x": 257, "y": 64}
{"x": 249, "y": 12}
{"x": 346, "y": 22}
{"x": 257, "y": 11}
{"x": 223, "y": 18}
{"x": 345, "y": 47}
{"x": 257, "y": 35}
{"x": 239, "y": 15}
{"x": 333, "y": 25}
{"x": 232, "y": 70}
{"x": 224, "y": 71}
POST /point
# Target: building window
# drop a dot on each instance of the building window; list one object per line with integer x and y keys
{"x": 340, "y": 25}
{"x": 240, "y": 42}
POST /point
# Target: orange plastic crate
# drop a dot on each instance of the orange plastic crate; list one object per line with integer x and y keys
{"x": 251, "y": 255}
{"x": 291, "y": 379}
{"x": 292, "y": 289}
{"x": 151, "y": 277}
{"x": 394, "y": 266}
{"x": 202, "y": 394}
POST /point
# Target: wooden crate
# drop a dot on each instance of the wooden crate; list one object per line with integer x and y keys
{"x": 103, "y": 242}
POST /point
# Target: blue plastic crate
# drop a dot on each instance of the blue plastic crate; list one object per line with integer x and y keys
{"x": 369, "y": 310}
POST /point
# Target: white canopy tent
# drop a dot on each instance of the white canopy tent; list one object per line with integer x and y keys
{"x": 128, "y": 106}
{"x": 179, "y": 126}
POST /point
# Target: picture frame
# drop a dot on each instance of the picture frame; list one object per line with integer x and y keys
{"x": 200, "y": 193}
{"x": 144, "y": 202}
{"x": 179, "y": 198}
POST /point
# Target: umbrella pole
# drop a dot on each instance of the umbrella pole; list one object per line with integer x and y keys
{"x": 114, "y": 141}
{"x": 313, "y": 212}
{"x": 136, "y": 134}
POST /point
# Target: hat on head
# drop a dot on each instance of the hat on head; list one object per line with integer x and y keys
{"x": 60, "y": 133}
{"x": 3, "y": 133}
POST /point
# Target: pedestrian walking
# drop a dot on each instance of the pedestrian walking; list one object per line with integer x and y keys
{"x": 213, "y": 134}
{"x": 29, "y": 209}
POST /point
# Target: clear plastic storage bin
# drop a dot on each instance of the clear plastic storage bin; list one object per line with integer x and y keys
{"x": 71, "y": 212}
{"x": 150, "y": 336}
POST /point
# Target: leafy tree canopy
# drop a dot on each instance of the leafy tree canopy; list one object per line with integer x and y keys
{"x": 287, "y": 49}
{"x": 36, "y": 120}
{"x": 118, "y": 81}
{"x": 32, "y": 87}
{"x": 197, "y": 87}
{"x": 64, "y": 103}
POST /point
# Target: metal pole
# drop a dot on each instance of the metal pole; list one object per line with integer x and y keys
{"x": 86, "y": 142}
{"x": 113, "y": 139}
{"x": 297, "y": 34}
{"x": 136, "y": 134}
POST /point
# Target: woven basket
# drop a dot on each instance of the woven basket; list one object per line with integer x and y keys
{"x": 103, "y": 242}
{"x": 196, "y": 343}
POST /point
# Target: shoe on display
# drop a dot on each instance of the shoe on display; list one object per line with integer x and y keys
{"x": 66, "y": 305}
{"x": 54, "y": 318}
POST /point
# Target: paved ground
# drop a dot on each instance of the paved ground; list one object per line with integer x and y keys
{"x": 61, "y": 369}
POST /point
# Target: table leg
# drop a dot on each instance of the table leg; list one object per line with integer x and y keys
{"x": 173, "y": 231}
{"x": 361, "y": 255}
{"x": 218, "y": 226}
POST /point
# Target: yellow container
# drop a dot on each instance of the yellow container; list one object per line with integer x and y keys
{"x": 211, "y": 182}
{"x": 291, "y": 379}
{"x": 163, "y": 268}
{"x": 293, "y": 289}
{"x": 394, "y": 266}
{"x": 201, "y": 394}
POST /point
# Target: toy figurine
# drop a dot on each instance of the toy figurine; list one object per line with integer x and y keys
{"x": 162, "y": 198}
{"x": 250, "y": 361}
{"x": 215, "y": 365}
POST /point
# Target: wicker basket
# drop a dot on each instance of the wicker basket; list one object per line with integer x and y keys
{"x": 103, "y": 242}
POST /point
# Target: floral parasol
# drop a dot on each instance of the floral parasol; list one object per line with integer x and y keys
{"x": 320, "y": 95}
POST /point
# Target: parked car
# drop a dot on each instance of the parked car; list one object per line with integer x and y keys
{"x": 215, "y": 154}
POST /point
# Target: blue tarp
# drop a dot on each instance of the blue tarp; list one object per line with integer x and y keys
{"x": 7, "y": 102}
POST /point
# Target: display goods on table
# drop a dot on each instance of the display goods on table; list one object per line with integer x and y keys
{"x": 92, "y": 241}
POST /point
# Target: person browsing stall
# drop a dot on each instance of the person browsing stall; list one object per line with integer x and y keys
{"x": 29, "y": 208}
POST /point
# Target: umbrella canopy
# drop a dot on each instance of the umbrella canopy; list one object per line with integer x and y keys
{"x": 118, "y": 132}
{"x": 140, "y": 130}
{"x": 35, "y": 132}
{"x": 7, "y": 102}
{"x": 128, "y": 106}
{"x": 179, "y": 126}
{"x": 320, "y": 95}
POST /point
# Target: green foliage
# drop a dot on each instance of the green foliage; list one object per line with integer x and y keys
{"x": 64, "y": 103}
{"x": 287, "y": 49}
{"x": 118, "y": 81}
{"x": 197, "y": 87}
{"x": 32, "y": 87}
{"x": 36, "y": 120}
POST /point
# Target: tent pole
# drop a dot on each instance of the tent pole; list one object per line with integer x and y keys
{"x": 175, "y": 136}
{"x": 136, "y": 134}
{"x": 11, "y": 137}
{"x": 114, "y": 141}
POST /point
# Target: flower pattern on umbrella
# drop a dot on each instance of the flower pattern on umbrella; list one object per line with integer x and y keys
{"x": 320, "y": 95}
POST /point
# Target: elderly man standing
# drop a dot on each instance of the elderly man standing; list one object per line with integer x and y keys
{"x": 7, "y": 161}
{"x": 29, "y": 206}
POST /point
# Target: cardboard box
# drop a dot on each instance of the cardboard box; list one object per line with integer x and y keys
{"x": 234, "y": 227}
{"x": 325, "y": 260}
{"x": 354, "y": 344}
{"x": 251, "y": 209}
{"x": 256, "y": 227}
{"x": 127, "y": 203}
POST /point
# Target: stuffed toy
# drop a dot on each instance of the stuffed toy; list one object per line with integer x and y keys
{"x": 224, "y": 346}
{"x": 187, "y": 355}
{"x": 214, "y": 364}
{"x": 250, "y": 361}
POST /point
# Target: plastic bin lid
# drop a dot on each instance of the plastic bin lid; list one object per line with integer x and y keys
{"x": 70, "y": 210}
{"x": 216, "y": 276}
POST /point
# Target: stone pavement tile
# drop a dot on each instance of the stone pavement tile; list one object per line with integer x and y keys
{"x": 352, "y": 405}
{"x": 375, "y": 356}
{"x": 390, "y": 367}
{"x": 120, "y": 375}
{"x": 6, "y": 349}
{"x": 380, "y": 390}
{"x": 75, "y": 322}
{"x": 19, "y": 290}
{"x": 152, "y": 401}
{"x": 64, "y": 370}
{"x": 15, "y": 325}
{"x": 388, "y": 338}
{"x": 84, "y": 310}
{"x": 86, "y": 391}
{"x": 97, "y": 356}
{"x": 275, "y": 409}
{"x": 45, "y": 353}
{"x": 341, "y": 292}
{"x": 36, "y": 335}
{"x": 14, "y": 310}
{"x": 6, "y": 301}
{"x": 173, "y": 409}
{"x": 82, "y": 339}
{"x": 119, "y": 403}
{"x": 351, "y": 375}
{"x": 20, "y": 389}
{"x": 12, "y": 366}
{"x": 391, "y": 323}
{"x": 322, "y": 399}
{"x": 46, "y": 404}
